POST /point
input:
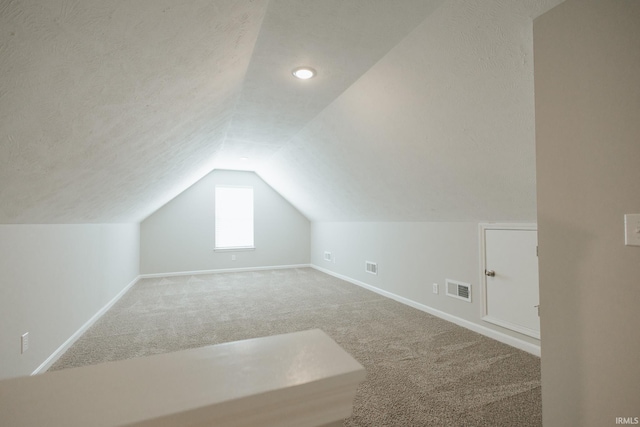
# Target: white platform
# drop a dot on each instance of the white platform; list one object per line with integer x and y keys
{"x": 299, "y": 379}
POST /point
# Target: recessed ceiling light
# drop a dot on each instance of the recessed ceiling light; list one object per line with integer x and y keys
{"x": 304, "y": 73}
{"x": 244, "y": 159}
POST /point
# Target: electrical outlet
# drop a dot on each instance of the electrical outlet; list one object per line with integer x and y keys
{"x": 24, "y": 342}
{"x": 233, "y": 257}
{"x": 632, "y": 229}
{"x": 435, "y": 288}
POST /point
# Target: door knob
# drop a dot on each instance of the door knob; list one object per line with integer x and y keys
{"x": 490, "y": 273}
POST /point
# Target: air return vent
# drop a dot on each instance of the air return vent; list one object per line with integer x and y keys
{"x": 371, "y": 267}
{"x": 459, "y": 290}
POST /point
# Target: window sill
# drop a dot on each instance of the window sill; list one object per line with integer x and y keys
{"x": 238, "y": 249}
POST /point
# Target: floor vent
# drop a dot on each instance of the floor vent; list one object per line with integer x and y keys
{"x": 459, "y": 290}
{"x": 371, "y": 267}
{"x": 327, "y": 256}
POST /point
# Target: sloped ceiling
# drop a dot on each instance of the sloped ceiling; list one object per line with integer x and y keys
{"x": 105, "y": 105}
{"x": 421, "y": 110}
{"x": 440, "y": 129}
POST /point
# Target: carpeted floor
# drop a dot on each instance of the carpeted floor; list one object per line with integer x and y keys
{"x": 421, "y": 370}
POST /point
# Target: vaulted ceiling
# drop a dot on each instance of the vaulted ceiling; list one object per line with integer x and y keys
{"x": 422, "y": 110}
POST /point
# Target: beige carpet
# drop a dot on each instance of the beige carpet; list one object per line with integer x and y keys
{"x": 421, "y": 370}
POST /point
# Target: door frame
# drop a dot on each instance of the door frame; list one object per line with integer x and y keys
{"x": 482, "y": 227}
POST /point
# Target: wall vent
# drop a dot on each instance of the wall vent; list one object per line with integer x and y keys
{"x": 459, "y": 290}
{"x": 327, "y": 256}
{"x": 371, "y": 267}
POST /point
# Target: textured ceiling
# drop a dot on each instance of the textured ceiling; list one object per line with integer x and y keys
{"x": 340, "y": 39}
{"x": 106, "y": 105}
{"x": 440, "y": 129}
{"x": 421, "y": 110}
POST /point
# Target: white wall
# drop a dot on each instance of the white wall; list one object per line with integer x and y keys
{"x": 587, "y": 80}
{"x": 180, "y": 235}
{"x": 53, "y": 279}
{"x": 411, "y": 256}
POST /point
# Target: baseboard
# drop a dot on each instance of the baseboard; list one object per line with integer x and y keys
{"x": 73, "y": 338}
{"x": 222, "y": 270}
{"x": 498, "y": 336}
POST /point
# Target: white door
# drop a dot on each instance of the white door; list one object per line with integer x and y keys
{"x": 511, "y": 279}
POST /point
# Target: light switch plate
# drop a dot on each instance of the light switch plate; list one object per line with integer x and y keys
{"x": 632, "y": 229}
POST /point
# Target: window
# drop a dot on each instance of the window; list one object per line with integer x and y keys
{"x": 234, "y": 217}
